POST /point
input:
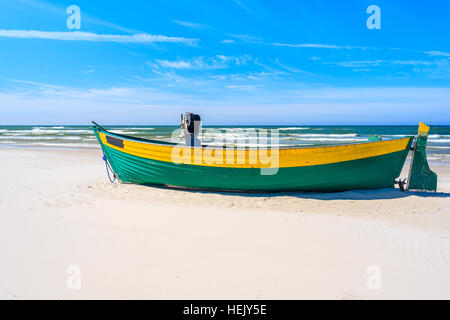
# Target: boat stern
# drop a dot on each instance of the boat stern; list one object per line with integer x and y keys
{"x": 421, "y": 177}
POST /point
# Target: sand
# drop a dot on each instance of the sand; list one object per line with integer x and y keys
{"x": 67, "y": 233}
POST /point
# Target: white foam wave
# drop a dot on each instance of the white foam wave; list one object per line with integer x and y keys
{"x": 395, "y": 135}
{"x": 332, "y": 139}
{"x": 442, "y": 157}
{"x": 67, "y": 145}
{"x": 21, "y": 137}
{"x": 136, "y": 128}
{"x": 124, "y": 131}
{"x": 294, "y": 128}
{"x": 319, "y": 135}
{"x": 26, "y": 138}
{"x": 53, "y": 131}
{"x": 232, "y": 129}
{"x": 431, "y": 136}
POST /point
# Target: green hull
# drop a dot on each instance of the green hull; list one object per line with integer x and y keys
{"x": 368, "y": 173}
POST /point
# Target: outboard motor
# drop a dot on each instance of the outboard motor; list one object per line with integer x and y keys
{"x": 190, "y": 127}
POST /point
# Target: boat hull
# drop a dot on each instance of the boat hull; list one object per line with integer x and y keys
{"x": 372, "y": 172}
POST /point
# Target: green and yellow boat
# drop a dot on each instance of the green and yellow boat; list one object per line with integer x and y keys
{"x": 363, "y": 165}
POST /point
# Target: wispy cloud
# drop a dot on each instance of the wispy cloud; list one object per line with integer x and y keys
{"x": 246, "y": 87}
{"x": 180, "y": 64}
{"x": 204, "y": 63}
{"x": 61, "y": 10}
{"x": 315, "y": 45}
{"x": 193, "y": 25}
{"x": 438, "y": 53}
{"x": 39, "y": 85}
{"x": 228, "y": 41}
{"x": 292, "y": 69}
{"x": 241, "y": 4}
{"x": 244, "y": 77}
{"x": 246, "y": 38}
{"x": 365, "y": 63}
{"x": 95, "y": 37}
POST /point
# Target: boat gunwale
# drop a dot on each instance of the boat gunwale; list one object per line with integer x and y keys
{"x": 172, "y": 144}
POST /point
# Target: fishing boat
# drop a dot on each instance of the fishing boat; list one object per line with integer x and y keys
{"x": 370, "y": 164}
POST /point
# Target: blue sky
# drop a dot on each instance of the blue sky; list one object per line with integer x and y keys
{"x": 233, "y": 61}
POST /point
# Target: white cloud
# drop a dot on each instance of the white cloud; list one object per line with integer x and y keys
{"x": 245, "y": 87}
{"x": 438, "y": 53}
{"x": 204, "y": 63}
{"x": 363, "y": 63}
{"x": 61, "y": 10}
{"x": 315, "y": 45}
{"x": 193, "y": 25}
{"x": 246, "y": 38}
{"x": 228, "y": 41}
{"x": 180, "y": 64}
{"x": 95, "y": 37}
{"x": 243, "y": 6}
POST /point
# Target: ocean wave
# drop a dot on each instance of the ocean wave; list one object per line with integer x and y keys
{"x": 12, "y": 131}
{"x": 39, "y": 131}
{"x": 21, "y": 137}
{"x": 124, "y": 131}
{"x": 332, "y": 139}
{"x": 73, "y": 145}
{"x": 294, "y": 128}
{"x": 26, "y": 138}
{"x": 233, "y": 129}
{"x": 319, "y": 135}
{"x": 431, "y": 136}
{"x": 49, "y": 145}
{"x": 445, "y": 155}
{"x": 396, "y": 135}
{"x": 136, "y": 128}
{"x": 442, "y": 157}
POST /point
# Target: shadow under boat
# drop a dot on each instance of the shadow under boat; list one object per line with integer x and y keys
{"x": 373, "y": 194}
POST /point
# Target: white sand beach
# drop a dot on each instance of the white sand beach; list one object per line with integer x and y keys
{"x": 59, "y": 213}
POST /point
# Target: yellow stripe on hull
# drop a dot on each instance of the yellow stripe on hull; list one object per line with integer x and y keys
{"x": 253, "y": 158}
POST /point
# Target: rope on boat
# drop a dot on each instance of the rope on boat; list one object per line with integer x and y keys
{"x": 108, "y": 167}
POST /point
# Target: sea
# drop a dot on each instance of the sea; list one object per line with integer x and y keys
{"x": 82, "y": 137}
